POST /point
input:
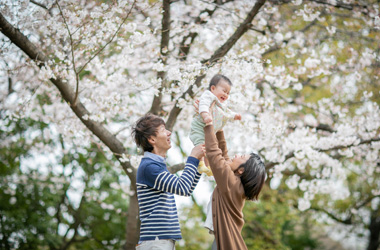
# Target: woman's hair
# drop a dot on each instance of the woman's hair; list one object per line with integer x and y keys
{"x": 144, "y": 128}
{"x": 253, "y": 177}
{"x": 216, "y": 79}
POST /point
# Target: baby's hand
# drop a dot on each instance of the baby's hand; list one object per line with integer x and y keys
{"x": 237, "y": 117}
{"x": 206, "y": 117}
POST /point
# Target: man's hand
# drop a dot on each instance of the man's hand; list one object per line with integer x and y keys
{"x": 206, "y": 117}
{"x": 237, "y": 117}
{"x": 198, "y": 151}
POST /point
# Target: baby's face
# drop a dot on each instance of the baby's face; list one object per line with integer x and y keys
{"x": 221, "y": 90}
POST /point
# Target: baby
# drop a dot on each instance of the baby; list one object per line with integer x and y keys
{"x": 211, "y": 108}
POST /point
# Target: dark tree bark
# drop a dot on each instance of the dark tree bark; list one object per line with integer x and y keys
{"x": 374, "y": 231}
{"x": 164, "y": 49}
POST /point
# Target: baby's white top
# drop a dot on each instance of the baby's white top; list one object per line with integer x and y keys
{"x": 206, "y": 100}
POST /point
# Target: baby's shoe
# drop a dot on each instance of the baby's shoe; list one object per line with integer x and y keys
{"x": 202, "y": 167}
{"x": 209, "y": 172}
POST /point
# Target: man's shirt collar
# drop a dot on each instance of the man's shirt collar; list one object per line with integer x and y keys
{"x": 154, "y": 157}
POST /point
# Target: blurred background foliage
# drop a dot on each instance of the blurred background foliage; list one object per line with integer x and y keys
{"x": 70, "y": 200}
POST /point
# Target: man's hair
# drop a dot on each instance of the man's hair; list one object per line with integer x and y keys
{"x": 253, "y": 177}
{"x": 144, "y": 128}
{"x": 217, "y": 78}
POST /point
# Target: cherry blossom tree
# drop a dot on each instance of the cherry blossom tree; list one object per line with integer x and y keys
{"x": 305, "y": 78}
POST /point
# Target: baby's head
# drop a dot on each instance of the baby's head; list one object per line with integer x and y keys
{"x": 220, "y": 86}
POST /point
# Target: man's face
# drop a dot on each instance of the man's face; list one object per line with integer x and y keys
{"x": 162, "y": 138}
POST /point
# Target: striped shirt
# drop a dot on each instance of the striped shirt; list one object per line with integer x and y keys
{"x": 155, "y": 193}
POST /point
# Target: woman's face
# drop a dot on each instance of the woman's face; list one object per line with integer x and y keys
{"x": 237, "y": 160}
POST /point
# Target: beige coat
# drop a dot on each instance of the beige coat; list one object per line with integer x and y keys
{"x": 228, "y": 198}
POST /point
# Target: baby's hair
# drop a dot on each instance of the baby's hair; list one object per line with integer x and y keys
{"x": 216, "y": 79}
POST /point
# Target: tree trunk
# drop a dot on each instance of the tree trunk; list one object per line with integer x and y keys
{"x": 164, "y": 50}
{"x": 374, "y": 230}
{"x": 133, "y": 223}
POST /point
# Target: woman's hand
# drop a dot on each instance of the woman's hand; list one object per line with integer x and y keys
{"x": 206, "y": 117}
{"x": 196, "y": 106}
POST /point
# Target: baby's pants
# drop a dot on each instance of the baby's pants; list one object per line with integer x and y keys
{"x": 197, "y": 134}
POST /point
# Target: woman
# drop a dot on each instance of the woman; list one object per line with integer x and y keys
{"x": 239, "y": 179}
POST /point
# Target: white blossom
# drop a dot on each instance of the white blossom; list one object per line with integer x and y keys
{"x": 303, "y": 204}
{"x": 312, "y": 63}
{"x": 292, "y": 181}
{"x": 331, "y": 29}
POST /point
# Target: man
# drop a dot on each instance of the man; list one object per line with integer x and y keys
{"x": 156, "y": 186}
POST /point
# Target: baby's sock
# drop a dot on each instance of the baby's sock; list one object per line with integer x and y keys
{"x": 203, "y": 169}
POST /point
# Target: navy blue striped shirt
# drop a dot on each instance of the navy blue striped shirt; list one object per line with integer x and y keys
{"x": 155, "y": 193}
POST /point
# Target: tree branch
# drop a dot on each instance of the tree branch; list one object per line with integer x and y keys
{"x": 291, "y": 101}
{"x": 113, "y": 36}
{"x": 72, "y": 54}
{"x": 218, "y": 54}
{"x": 145, "y": 16}
{"x": 351, "y": 145}
{"x": 177, "y": 167}
{"x": 323, "y": 127}
{"x": 240, "y": 31}
{"x": 366, "y": 201}
{"x": 67, "y": 93}
{"x": 39, "y": 4}
{"x": 183, "y": 52}
{"x": 185, "y": 48}
{"x": 10, "y": 84}
{"x": 351, "y": 34}
{"x": 347, "y": 221}
{"x": 269, "y": 165}
{"x": 336, "y": 4}
{"x": 164, "y": 50}
{"x": 278, "y": 47}
{"x": 220, "y": 2}
{"x": 342, "y": 5}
